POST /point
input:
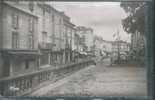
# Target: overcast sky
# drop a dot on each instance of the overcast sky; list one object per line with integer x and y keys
{"x": 103, "y": 17}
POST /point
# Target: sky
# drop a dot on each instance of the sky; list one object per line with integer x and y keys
{"x": 103, "y": 17}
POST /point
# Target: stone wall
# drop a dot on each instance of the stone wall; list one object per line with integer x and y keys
{"x": 1, "y": 66}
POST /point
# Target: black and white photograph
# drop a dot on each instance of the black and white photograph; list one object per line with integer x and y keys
{"x": 72, "y": 48}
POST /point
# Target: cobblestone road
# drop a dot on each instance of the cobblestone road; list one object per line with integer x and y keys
{"x": 100, "y": 80}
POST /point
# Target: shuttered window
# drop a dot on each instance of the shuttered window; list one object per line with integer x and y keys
{"x": 15, "y": 40}
{"x": 15, "y": 21}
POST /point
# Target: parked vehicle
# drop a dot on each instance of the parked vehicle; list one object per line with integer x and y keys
{"x": 113, "y": 58}
{"x": 122, "y": 58}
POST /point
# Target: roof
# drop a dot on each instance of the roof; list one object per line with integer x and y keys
{"x": 20, "y": 10}
{"x": 83, "y": 28}
{"x": 68, "y": 23}
{"x": 65, "y": 16}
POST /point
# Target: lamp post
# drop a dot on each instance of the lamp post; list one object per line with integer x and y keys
{"x": 118, "y": 45}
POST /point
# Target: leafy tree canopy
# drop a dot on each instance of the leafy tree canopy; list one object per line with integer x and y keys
{"x": 135, "y": 17}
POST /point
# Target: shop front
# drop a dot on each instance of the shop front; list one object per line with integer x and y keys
{"x": 19, "y": 62}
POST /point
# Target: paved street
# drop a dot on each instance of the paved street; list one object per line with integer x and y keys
{"x": 100, "y": 80}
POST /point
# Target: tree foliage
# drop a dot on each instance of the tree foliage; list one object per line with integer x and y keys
{"x": 135, "y": 17}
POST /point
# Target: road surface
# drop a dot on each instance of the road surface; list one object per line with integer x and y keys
{"x": 100, "y": 80}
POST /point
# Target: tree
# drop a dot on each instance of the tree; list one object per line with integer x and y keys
{"x": 134, "y": 22}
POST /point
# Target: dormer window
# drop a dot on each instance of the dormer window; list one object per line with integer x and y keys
{"x": 31, "y": 6}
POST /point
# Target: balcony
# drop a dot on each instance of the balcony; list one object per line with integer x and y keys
{"x": 45, "y": 45}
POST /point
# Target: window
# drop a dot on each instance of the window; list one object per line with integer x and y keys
{"x": 44, "y": 11}
{"x": 52, "y": 17}
{"x": 15, "y": 40}
{"x": 30, "y": 41}
{"x": 60, "y": 21}
{"x": 31, "y": 6}
{"x": 44, "y": 20}
{"x": 26, "y": 64}
{"x": 44, "y": 35}
{"x": 31, "y": 24}
{"x": 53, "y": 35}
{"x": 15, "y": 21}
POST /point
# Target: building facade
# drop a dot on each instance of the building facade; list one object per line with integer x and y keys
{"x": 120, "y": 46}
{"x": 43, "y": 12}
{"x": 34, "y": 36}
{"x": 137, "y": 46}
{"x": 107, "y": 47}
{"x": 19, "y": 40}
{"x": 86, "y": 37}
{"x": 36, "y": 32}
{"x": 55, "y": 31}
{"x": 69, "y": 32}
{"x": 76, "y": 46}
{"x": 98, "y": 46}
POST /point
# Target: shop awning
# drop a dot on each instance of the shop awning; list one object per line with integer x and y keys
{"x": 22, "y": 53}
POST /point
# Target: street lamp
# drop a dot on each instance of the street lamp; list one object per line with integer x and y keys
{"x": 118, "y": 45}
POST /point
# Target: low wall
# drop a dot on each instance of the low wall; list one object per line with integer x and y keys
{"x": 25, "y": 83}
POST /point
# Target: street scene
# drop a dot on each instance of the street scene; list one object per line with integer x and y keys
{"x": 100, "y": 80}
{"x": 72, "y": 49}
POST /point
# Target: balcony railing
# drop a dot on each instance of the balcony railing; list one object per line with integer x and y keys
{"x": 44, "y": 45}
{"x": 25, "y": 83}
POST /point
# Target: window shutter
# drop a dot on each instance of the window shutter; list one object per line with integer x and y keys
{"x": 17, "y": 22}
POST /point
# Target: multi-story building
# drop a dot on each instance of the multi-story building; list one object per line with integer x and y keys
{"x": 76, "y": 42}
{"x": 102, "y": 47}
{"x": 43, "y": 11}
{"x": 33, "y": 35}
{"x": 73, "y": 44}
{"x": 107, "y": 47}
{"x": 32, "y": 27}
{"x": 52, "y": 35}
{"x": 76, "y": 46}
{"x": 137, "y": 41}
{"x": 120, "y": 46}
{"x": 69, "y": 32}
{"x": 86, "y": 35}
{"x": 137, "y": 46}
{"x": 98, "y": 45}
{"x": 57, "y": 35}
{"x": 55, "y": 31}
{"x": 19, "y": 39}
